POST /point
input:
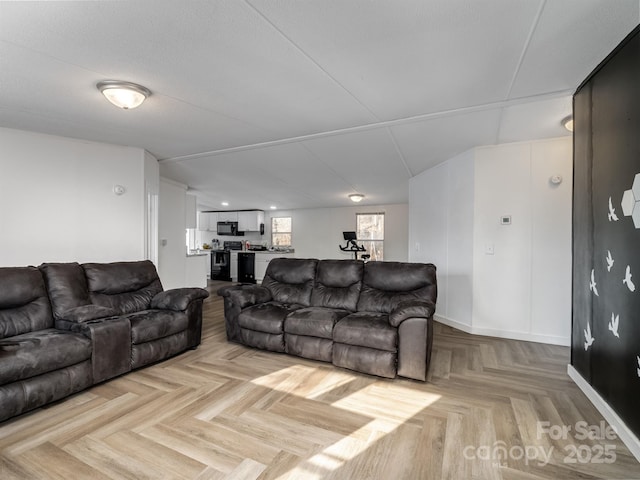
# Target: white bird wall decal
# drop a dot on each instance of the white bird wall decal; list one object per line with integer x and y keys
{"x": 588, "y": 338}
{"x": 613, "y": 324}
{"x": 592, "y": 284}
{"x": 610, "y": 261}
{"x": 627, "y": 279}
{"x": 612, "y": 212}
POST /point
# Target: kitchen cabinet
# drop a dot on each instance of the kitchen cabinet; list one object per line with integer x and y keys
{"x": 250, "y": 221}
{"x": 234, "y": 266}
{"x": 227, "y": 216}
{"x": 208, "y": 221}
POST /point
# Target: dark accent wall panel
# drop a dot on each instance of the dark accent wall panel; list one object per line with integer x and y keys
{"x": 606, "y": 227}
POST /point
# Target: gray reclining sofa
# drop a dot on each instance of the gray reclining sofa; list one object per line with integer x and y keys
{"x": 375, "y": 318}
{"x": 66, "y": 326}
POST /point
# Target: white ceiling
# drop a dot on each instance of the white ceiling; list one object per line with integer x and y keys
{"x": 297, "y": 104}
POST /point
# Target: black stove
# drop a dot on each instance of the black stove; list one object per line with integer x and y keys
{"x": 232, "y": 245}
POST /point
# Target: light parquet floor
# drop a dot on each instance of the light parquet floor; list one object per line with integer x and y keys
{"x": 224, "y": 411}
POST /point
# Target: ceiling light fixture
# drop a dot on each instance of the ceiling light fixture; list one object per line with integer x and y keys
{"x": 225, "y": 204}
{"x": 125, "y": 95}
{"x": 356, "y": 197}
{"x": 273, "y": 207}
{"x": 567, "y": 122}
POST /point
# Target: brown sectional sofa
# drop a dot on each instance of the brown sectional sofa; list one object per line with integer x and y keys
{"x": 66, "y": 326}
{"x": 375, "y": 318}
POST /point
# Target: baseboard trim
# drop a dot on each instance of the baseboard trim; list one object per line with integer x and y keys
{"x": 624, "y": 433}
{"x": 489, "y": 332}
{"x": 453, "y": 323}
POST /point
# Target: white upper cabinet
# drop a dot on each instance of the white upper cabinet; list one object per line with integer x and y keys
{"x": 250, "y": 221}
{"x": 247, "y": 221}
{"x": 208, "y": 221}
{"x": 227, "y": 216}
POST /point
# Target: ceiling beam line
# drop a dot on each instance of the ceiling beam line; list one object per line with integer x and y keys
{"x": 372, "y": 126}
{"x": 311, "y": 59}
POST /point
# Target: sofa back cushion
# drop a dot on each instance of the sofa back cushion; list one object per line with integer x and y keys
{"x": 290, "y": 280}
{"x": 24, "y": 304}
{"x": 385, "y": 284}
{"x": 67, "y": 286}
{"x": 337, "y": 284}
{"x": 126, "y": 287}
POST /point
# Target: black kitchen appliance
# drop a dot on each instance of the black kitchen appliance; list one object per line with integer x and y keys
{"x": 221, "y": 265}
{"x": 221, "y": 260}
{"x": 232, "y": 245}
{"x": 246, "y": 267}
{"x": 229, "y": 229}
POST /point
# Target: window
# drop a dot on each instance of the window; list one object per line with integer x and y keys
{"x": 370, "y": 233}
{"x": 281, "y": 231}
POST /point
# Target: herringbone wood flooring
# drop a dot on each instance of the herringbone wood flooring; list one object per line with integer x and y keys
{"x": 225, "y": 411}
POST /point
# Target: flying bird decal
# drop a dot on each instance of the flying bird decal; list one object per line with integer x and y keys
{"x": 588, "y": 338}
{"x": 627, "y": 279}
{"x": 612, "y": 212}
{"x": 592, "y": 284}
{"x": 613, "y": 324}
{"x": 610, "y": 261}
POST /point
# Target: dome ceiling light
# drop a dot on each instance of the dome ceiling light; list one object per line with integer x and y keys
{"x": 356, "y": 197}
{"x": 125, "y": 95}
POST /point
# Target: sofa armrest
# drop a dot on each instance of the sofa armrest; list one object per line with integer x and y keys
{"x": 411, "y": 309}
{"x": 178, "y": 299}
{"x": 249, "y": 295}
{"x": 86, "y": 313}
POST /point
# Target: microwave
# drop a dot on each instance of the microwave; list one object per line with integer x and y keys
{"x": 229, "y": 228}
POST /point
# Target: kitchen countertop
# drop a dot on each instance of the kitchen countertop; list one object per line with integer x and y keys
{"x": 198, "y": 253}
{"x": 270, "y": 252}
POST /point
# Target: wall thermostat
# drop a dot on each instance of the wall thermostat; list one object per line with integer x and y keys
{"x": 505, "y": 220}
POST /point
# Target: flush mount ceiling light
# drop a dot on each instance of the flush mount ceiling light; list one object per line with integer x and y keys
{"x": 125, "y": 95}
{"x": 356, "y": 197}
{"x": 567, "y": 122}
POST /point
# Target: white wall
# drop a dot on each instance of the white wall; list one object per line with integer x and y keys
{"x": 441, "y": 232}
{"x": 522, "y": 290}
{"x": 57, "y": 202}
{"x": 172, "y": 252}
{"x": 317, "y": 232}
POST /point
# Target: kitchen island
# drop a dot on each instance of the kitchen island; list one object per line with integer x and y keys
{"x": 197, "y": 268}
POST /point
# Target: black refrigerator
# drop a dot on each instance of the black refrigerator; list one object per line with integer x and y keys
{"x": 246, "y": 267}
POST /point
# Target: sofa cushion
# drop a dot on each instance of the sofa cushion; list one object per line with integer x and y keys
{"x": 127, "y": 287}
{"x": 290, "y": 280}
{"x": 309, "y": 347}
{"x": 266, "y": 317}
{"x": 385, "y": 284}
{"x": 154, "y": 324}
{"x": 367, "y": 360}
{"x": 313, "y": 321}
{"x": 337, "y": 284}
{"x": 34, "y": 353}
{"x": 367, "y": 329}
{"x": 262, "y": 340}
{"x": 67, "y": 287}
{"x": 24, "y": 305}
